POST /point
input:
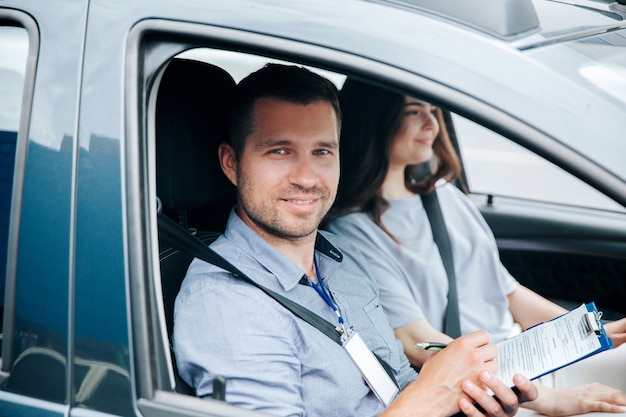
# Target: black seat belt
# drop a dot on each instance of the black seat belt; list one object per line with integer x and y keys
{"x": 452, "y": 326}
{"x": 186, "y": 242}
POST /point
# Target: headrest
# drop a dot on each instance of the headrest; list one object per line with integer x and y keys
{"x": 192, "y": 113}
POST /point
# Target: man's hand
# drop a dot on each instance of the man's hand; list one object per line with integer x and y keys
{"x": 505, "y": 403}
{"x": 457, "y": 377}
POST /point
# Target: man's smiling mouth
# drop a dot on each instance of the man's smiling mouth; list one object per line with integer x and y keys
{"x": 301, "y": 201}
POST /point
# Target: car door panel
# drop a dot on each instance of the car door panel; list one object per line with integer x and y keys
{"x": 568, "y": 254}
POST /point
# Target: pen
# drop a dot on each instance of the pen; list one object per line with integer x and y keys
{"x": 433, "y": 346}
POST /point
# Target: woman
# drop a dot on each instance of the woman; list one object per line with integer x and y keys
{"x": 395, "y": 148}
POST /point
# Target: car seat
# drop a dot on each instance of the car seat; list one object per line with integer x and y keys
{"x": 192, "y": 112}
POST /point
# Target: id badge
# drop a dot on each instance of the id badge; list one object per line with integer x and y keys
{"x": 372, "y": 371}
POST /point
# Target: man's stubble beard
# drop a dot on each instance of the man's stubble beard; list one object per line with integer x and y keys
{"x": 270, "y": 221}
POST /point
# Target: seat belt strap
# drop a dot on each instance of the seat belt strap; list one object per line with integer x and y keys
{"x": 452, "y": 326}
{"x": 188, "y": 243}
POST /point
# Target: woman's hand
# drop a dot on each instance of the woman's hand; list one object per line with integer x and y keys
{"x": 616, "y": 330}
{"x": 594, "y": 397}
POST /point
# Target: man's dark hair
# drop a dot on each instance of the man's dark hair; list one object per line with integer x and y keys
{"x": 288, "y": 83}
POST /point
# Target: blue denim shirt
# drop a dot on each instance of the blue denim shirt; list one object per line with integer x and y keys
{"x": 273, "y": 361}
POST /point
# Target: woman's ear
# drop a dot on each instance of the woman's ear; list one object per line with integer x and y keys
{"x": 228, "y": 161}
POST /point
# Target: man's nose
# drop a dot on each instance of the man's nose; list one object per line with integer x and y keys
{"x": 304, "y": 172}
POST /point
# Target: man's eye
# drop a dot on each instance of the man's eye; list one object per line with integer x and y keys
{"x": 322, "y": 152}
{"x": 278, "y": 151}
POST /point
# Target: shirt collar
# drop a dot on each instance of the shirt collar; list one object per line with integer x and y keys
{"x": 274, "y": 261}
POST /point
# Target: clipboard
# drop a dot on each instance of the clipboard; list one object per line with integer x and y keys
{"x": 547, "y": 347}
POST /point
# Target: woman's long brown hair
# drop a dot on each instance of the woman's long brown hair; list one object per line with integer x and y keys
{"x": 371, "y": 119}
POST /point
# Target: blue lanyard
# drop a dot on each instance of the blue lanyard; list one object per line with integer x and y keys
{"x": 321, "y": 290}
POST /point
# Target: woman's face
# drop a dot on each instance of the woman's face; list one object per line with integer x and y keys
{"x": 418, "y": 129}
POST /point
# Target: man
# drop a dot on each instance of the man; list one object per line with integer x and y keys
{"x": 283, "y": 156}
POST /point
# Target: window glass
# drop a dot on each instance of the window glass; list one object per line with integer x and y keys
{"x": 13, "y": 53}
{"x": 596, "y": 63}
{"x": 495, "y": 165}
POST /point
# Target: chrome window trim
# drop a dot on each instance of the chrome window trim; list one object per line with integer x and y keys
{"x": 28, "y": 23}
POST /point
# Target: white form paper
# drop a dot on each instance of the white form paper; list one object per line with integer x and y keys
{"x": 546, "y": 347}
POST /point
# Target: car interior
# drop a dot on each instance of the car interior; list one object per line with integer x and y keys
{"x": 192, "y": 190}
{"x": 191, "y": 121}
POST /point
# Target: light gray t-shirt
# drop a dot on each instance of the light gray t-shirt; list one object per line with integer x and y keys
{"x": 411, "y": 276}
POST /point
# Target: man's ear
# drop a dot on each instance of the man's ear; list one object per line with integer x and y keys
{"x": 228, "y": 161}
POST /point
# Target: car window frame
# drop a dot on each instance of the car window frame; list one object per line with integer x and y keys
{"x": 151, "y": 44}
